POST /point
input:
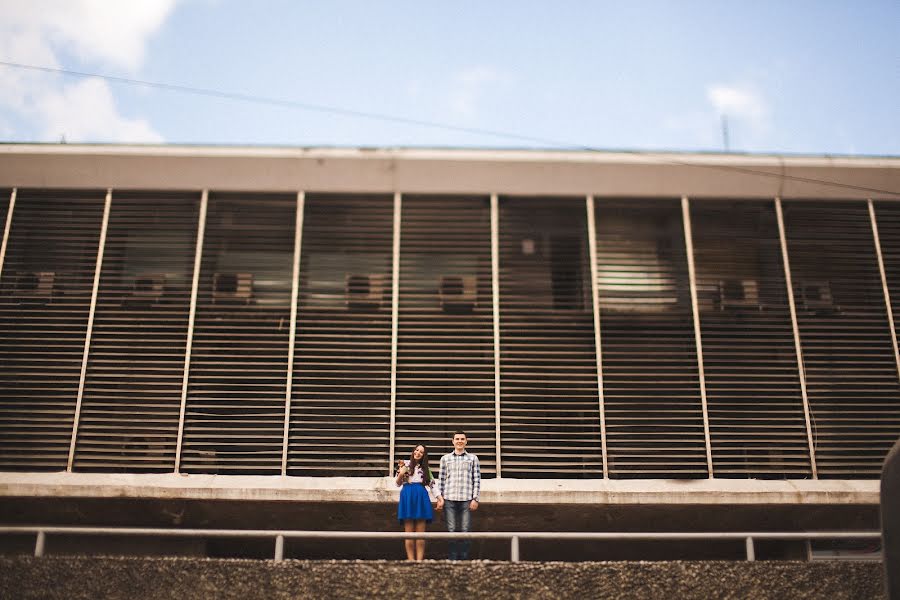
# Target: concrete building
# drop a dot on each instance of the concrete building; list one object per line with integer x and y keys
{"x": 251, "y": 337}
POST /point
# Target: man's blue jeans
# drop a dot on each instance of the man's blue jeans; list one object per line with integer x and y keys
{"x": 458, "y": 519}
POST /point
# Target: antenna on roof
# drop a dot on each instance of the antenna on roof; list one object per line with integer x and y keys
{"x": 725, "y": 144}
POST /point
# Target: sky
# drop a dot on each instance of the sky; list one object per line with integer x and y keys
{"x": 798, "y": 76}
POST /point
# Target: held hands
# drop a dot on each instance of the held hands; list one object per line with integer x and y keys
{"x": 473, "y": 505}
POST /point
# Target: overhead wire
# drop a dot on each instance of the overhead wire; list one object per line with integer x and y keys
{"x": 335, "y": 110}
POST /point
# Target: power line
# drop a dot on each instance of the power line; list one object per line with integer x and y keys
{"x": 289, "y": 104}
{"x": 293, "y": 104}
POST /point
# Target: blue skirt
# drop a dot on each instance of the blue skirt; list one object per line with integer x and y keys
{"x": 414, "y": 503}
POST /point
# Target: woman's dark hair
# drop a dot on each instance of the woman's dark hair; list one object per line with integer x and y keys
{"x": 424, "y": 463}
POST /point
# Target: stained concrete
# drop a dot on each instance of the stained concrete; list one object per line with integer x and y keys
{"x": 196, "y": 579}
{"x": 351, "y": 516}
{"x": 447, "y": 171}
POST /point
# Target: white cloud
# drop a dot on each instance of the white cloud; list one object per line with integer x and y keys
{"x": 85, "y": 110}
{"x": 109, "y": 32}
{"x": 470, "y": 86}
{"x": 748, "y": 118}
{"x": 740, "y": 101}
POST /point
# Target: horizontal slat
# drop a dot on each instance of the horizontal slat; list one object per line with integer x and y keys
{"x": 752, "y": 380}
{"x": 340, "y": 395}
{"x": 548, "y": 371}
{"x": 852, "y": 380}
{"x": 45, "y": 294}
{"x": 650, "y": 376}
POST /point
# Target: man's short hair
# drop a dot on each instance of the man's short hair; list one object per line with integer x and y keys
{"x": 459, "y": 432}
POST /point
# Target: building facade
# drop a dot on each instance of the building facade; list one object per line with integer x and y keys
{"x": 249, "y": 324}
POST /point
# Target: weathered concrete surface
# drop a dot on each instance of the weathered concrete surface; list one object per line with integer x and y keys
{"x": 193, "y": 579}
{"x": 494, "y": 491}
{"x": 422, "y": 170}
{"x": 353, "y": 516}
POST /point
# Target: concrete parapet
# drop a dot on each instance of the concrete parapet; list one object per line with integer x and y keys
{"x": 74, "y": 578}
{"x": 496, "y": 491}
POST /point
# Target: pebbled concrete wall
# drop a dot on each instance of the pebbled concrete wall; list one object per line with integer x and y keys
{"x": 74, "y": 578}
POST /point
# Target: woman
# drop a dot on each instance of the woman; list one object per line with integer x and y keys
{"x": 414, "y": 508}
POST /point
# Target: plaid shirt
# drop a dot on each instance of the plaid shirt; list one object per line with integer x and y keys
{"x": 459, "y": 477}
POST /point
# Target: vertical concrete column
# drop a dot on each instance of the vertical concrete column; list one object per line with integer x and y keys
{"x": 514, "y": 549}
{"x": 395, "y": 323}
{"x": 689, "y": 248}
{"x": 595, "y": 302}
{"x": 195, "y": 283}
{"x": 7, "y": 227}
{"x": 495, "y": 296}
{"x": 292, "y": 337}
{"x": 90, "y": 327}
{"x": 884, "y": 285}
{"x": 890, "y": 521}
{"x": 799, "y": 349}
{"x": 40, "y": 544}
{"x": 279, "y": 548}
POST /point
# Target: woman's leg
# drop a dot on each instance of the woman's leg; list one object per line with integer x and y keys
{"x": 409, "y": 527}
{"x": 420, "y": 544}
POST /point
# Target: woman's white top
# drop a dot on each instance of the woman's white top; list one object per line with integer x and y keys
{"x": 418, "y": 476}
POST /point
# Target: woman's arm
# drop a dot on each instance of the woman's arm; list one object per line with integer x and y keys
{"x": 402, "y": 473}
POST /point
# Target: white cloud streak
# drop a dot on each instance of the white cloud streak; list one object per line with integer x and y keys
{"x": 469, "y": 87}
{"x": 740, "y": 101}
{"x": 45, "y": 106}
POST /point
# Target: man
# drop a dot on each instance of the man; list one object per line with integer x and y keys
{"x": 459, "y": 483}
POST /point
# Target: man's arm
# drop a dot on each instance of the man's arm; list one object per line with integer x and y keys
{"x": 476, "y": 483}
{"x": 441, "y": 483}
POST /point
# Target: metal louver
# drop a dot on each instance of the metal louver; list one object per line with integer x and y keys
{"x": 755, "y": 406}
{"x": 651, "y": 389}
{"x": 234, "y": 420}
{"x": 445, "y": 361}
{"x": 851, "y": 373}
{"x": 550, "y": 413}
{"x": 45, "y": 297}
{"x": 132, "y": 394}
{"x": 341, "y": 392}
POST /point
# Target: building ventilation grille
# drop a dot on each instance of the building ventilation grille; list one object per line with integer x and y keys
{"x": 341, "y": 393}
{"x": 755, "y": 405}
{"x": 45, "y": 298}
{"x": 445, "y": 361}
{"x": 851, "y": 373}
{"x": 237, "y": 386}
{"x": 550, "y": 414}
{"x": 132, "y": 392}
{"x": 651, "y": 389}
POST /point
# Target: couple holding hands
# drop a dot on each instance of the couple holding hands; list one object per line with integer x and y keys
{"x": 456, "y": 489}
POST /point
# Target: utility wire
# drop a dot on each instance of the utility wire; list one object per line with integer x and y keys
{"x": 213, "y": 93}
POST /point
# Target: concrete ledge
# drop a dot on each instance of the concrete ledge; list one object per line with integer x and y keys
{"x": 74, "y": 578}
{"x": 383, "y": 489}
{"x": 448, "y": 171}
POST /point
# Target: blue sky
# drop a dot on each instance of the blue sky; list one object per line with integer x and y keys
{"x": 791, "y": 76}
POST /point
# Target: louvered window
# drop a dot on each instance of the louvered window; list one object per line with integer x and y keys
{"x": 654, "y": 417}
{"x": 234, "y": 421}
{"x": 45, "y": 297}
{"x": 445, "y": 362}
{"x": 550, "y": 411}
{"x": 848, "y": 355}
{"x": 132, "y": 393}
{"x": 341, "y": 394}
{"x": 756, "y": 420}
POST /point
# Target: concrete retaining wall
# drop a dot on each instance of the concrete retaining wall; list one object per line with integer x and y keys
{"x": 73, "y": 578}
